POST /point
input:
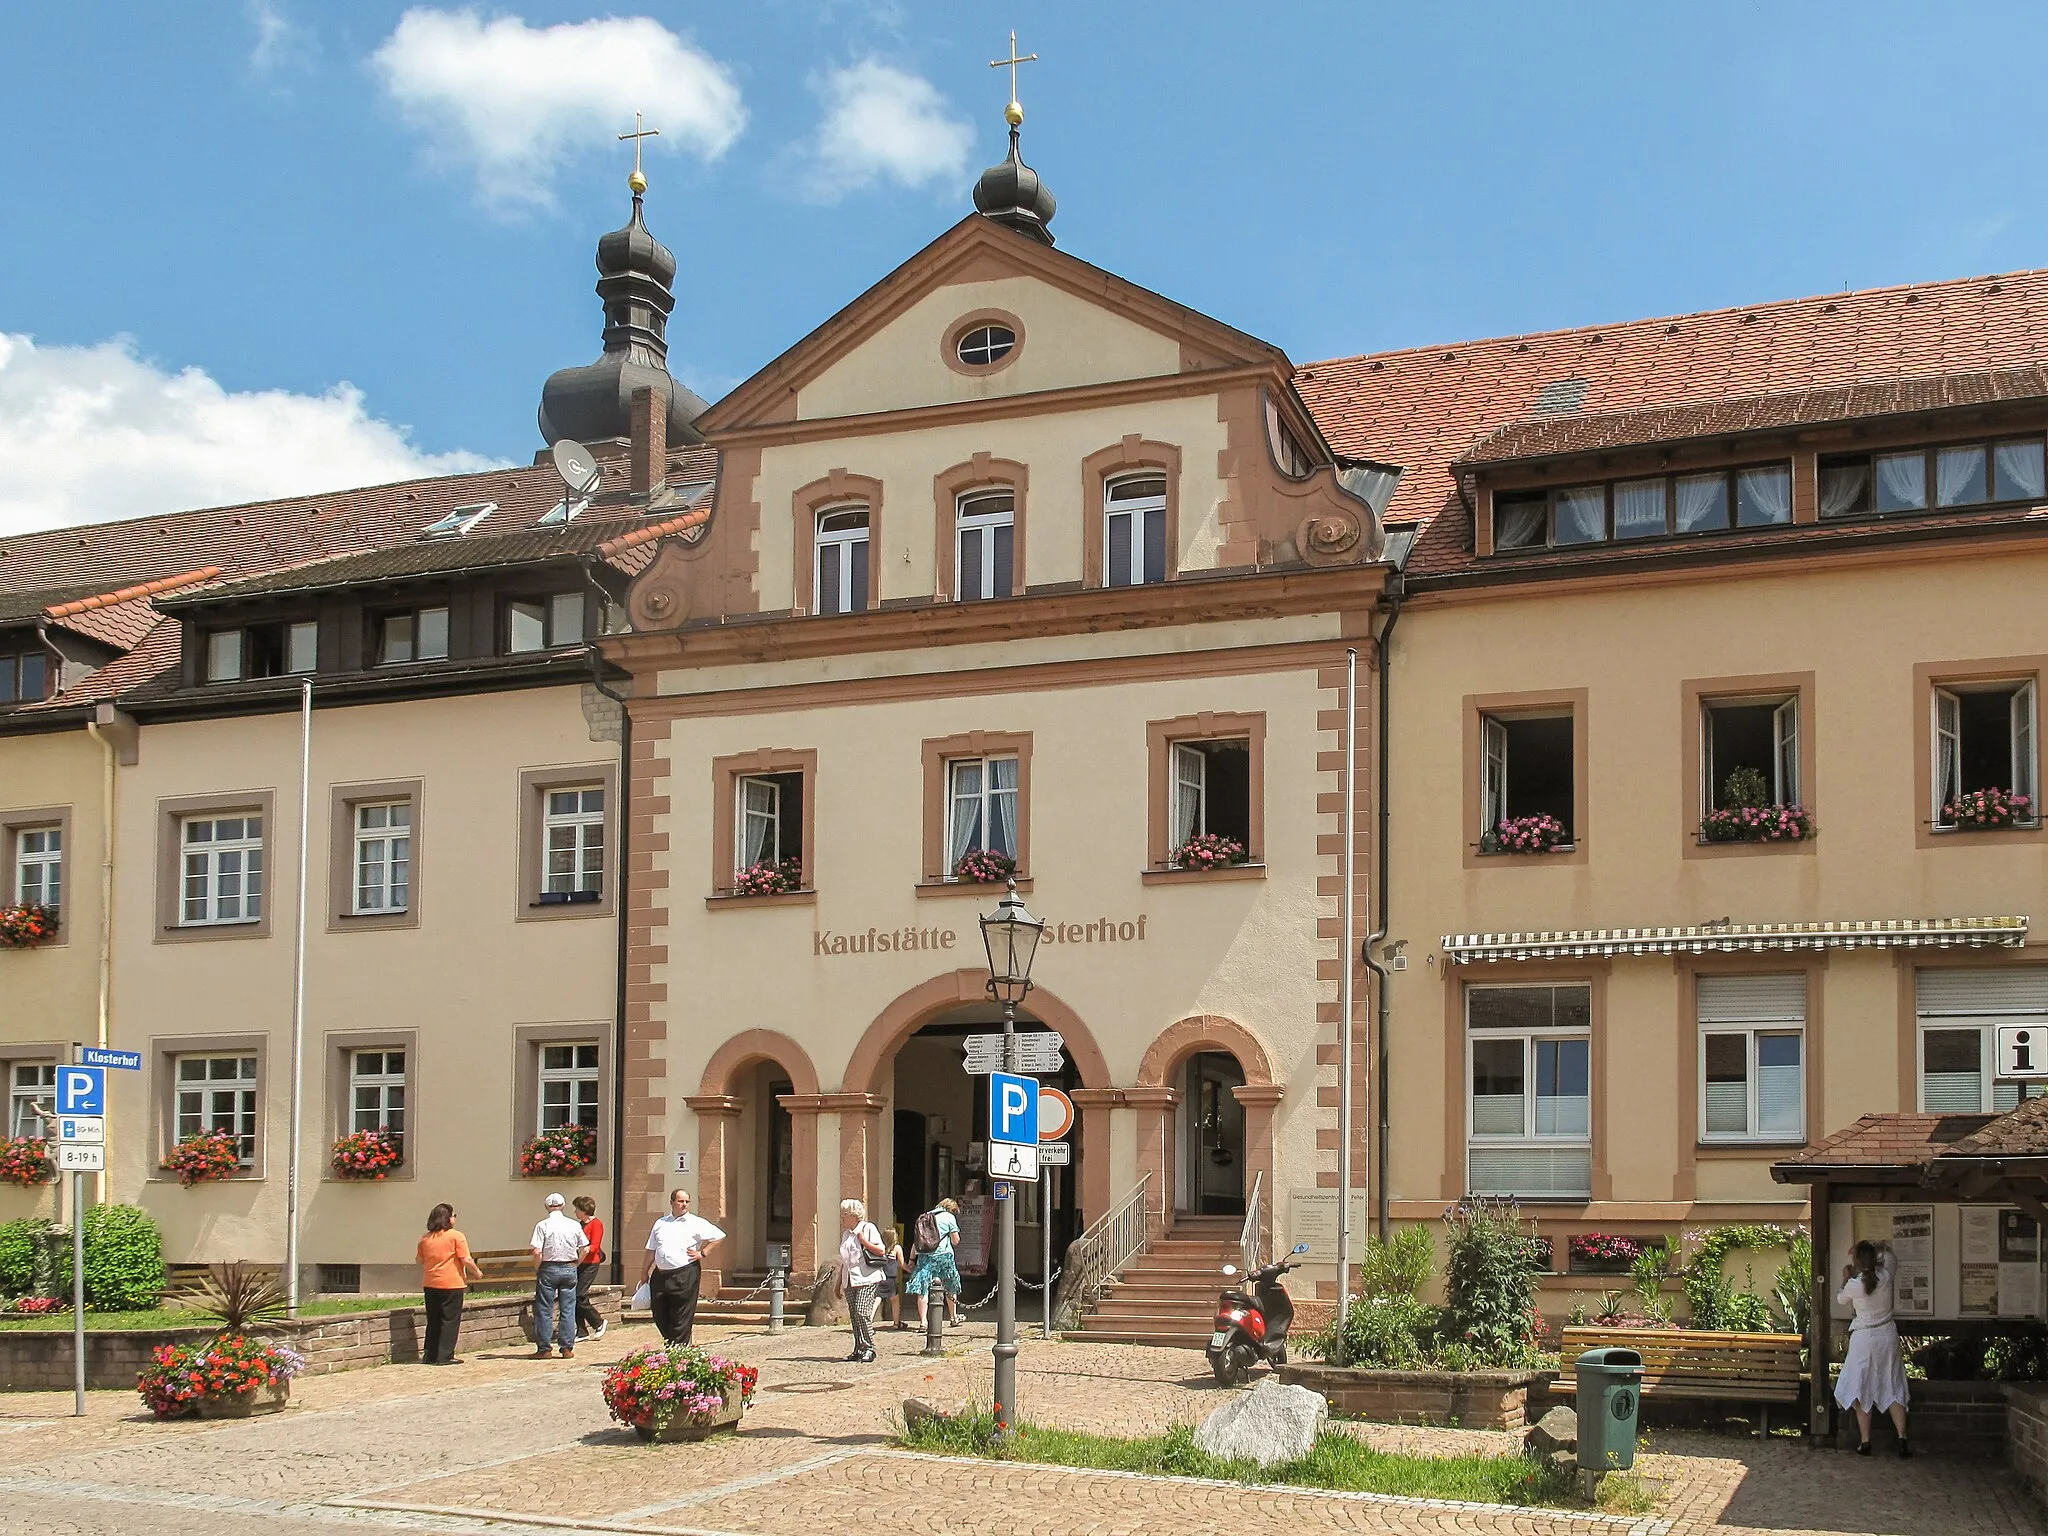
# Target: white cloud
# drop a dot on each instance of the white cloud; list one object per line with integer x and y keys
{"x": 279, "y": 40}
{"x": 513, "y": 103}
{"x": 883, "y": 123}
{"x": 95, "y": 433}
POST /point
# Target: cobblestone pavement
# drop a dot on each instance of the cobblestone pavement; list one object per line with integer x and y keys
{"x": 519, "y": 1447}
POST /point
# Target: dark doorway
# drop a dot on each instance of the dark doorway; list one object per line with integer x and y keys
{"x": 909, "y": 1194}
{"x": 781, "y": 1165}
{"x": 1212, "y": 1133}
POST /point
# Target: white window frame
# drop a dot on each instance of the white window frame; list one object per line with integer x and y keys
{"x": 558, "y": 616}
{"x": 1126, "y": 518}
{"x": 1946, "y": 728}
{"x": 384, "y": 1085}
{"x": 1784, "y": 747}
{"x": 458, "y": 522}
{"x": 301, "y": 648}
{"x": 757, "y": 797}
{"x": 984, "y": 799}
{"x": 986, "y": 523}
{"x": 29, "y": 1083}
{"x": 1190, "y": 782}
{"x": 577, "y": 1075}
{"x": 382, "y": 857}
{"x": 197, "y": 1102}
{"x": 980, "y": 339}
{"x": 226, "y": 655}
{"x": 204, "y": 860}
{"x": 1751, "y": 1017}
{"x": 1529, "y": 1137}
{"x": 39, "y": 866}
{"x": 582, "y": 839}
{"x": 842, "y": 595}
{"x": 1988, "y": 1085}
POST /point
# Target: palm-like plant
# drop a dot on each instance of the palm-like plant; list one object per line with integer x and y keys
{"x": 239, "y": 1294}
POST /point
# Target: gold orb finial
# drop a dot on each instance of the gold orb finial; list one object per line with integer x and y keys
{"x": 637, "y": 182}
{"x": 1013, "y": 114}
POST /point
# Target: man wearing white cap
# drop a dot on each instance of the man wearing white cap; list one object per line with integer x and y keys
{"x": 558, "y": 1243}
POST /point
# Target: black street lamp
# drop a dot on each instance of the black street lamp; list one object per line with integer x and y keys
{"x": 1010, "y": 935}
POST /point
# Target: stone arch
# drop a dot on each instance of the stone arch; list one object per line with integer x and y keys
{"x": 1199, "y": 1032}
{"x": 750, "y": 1046}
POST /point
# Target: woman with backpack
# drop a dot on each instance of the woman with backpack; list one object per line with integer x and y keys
{"x": 936, "y": 1235}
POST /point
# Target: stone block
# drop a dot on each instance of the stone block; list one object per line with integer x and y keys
{"x": 1273, "y": 1423}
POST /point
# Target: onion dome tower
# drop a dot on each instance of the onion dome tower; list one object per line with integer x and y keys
{"x": 594, "y": 403}
{"x": 1011, "y": 193}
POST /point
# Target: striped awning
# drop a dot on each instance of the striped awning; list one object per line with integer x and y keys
{"x": 1735, "y": 938}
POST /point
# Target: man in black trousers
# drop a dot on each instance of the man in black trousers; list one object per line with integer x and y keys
{"x": 675, "y": 1270}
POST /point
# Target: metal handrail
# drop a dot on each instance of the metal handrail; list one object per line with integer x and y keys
{"x": 1099, "y": 1255}
{"x": 1248, "y": 1237}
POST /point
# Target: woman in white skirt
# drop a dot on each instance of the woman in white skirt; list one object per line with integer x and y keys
{"x": 1873, "y": 1378}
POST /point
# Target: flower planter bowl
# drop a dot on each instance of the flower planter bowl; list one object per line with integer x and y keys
{"x": 691, "y": 1427}
{"x": 243, "y": 1405}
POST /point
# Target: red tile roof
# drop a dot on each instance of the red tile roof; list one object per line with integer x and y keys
{"x": 1425, "y": 407}
{"x": 1901, "y": 1141}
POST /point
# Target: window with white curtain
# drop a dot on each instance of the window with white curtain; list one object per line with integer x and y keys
{"x": 1134, "y": 531}
{"x": 1654, "y": 506}
{"x": 984, "y": 545}
{"x": 1984, "y": 738}
{"x": 223, "y": 870}
{"x": 981, "y": 807}
{"x": 1915, "y": 479}
{"x": 841, "y": 577}
{"x": 39, "y": 866}
{"x": 383, "y": 857}
{"x": 1752, "y": 1058}
{"x": 1528, "y": 1052}
{"x": 769, "y": 817}
{"x": 29, "y": 1083}
{"x": 1212, "y": 791}
{"x": 1959, "y": 1011}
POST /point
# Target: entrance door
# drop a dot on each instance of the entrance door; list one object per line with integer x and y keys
{"x": 781, "y": 1180}
{"x": 1212, "y": 1133}
{"x": 908, "y": 1195}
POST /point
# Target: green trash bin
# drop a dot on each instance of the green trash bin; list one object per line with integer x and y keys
{"x": 1610, "y": 1386}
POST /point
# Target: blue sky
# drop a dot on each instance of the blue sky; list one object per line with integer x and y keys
{"x": 273, "y": 199}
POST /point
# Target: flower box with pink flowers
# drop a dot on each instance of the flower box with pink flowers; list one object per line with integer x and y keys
{"x": 1526, "y": 834}
{"x": 1987, "y": 810}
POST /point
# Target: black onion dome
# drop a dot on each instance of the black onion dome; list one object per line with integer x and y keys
{"x": 594, "y": 403}
{"x": 1012, "y": 194}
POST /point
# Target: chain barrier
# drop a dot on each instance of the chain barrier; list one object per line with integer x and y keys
{"x": 996, "y": 1290}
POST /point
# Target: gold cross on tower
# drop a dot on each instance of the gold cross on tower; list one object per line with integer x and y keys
{"x": 637, "y": 181}
{"x": 1013, "y": 114}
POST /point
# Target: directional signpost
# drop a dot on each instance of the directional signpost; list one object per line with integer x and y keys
{"x": 81, "y": 1149}
{"x": 1037, "y": 1051}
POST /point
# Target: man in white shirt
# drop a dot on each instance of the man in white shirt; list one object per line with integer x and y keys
{"x": 558, "y": 1243}
{"x": 674, "y": 1272}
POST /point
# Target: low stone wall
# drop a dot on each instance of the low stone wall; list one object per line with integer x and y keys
{"x": 1467, "y": 1399}
{"x": 2026, "y": 1432}
{"x": 37, "y": 1361}
{"x": 1952, "y": 1418}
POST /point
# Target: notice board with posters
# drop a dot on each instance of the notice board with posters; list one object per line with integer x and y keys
{"x": 1951, "y": 1261}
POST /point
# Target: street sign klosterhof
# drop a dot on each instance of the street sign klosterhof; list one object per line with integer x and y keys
{"x": 1038, "y": 1050}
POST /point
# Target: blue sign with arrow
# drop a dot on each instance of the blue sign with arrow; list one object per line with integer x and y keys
{"x": 1013, "y": 1108}
{"x": 83, "y": 1090}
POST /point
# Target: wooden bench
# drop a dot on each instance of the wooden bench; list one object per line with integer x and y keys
{"x": 505, "y": 1266}
{"x": 1760, "y": 1368}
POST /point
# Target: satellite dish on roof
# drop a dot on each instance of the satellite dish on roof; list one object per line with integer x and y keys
{"x": 577, "y": 466}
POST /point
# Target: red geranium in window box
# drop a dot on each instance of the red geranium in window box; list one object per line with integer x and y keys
{"x": 1981, "y": 809}
{"x": 204, "y": 1158}
{"x": 984, "y": 866}
{"x": 566, "y": 1149}
{"x": 25, "y": 927}
{"x": 366, "y": 1155}
{"x": 766, "y": 879}
{"x": 25, "y": 1160}
{"x": 1208, "y": 850}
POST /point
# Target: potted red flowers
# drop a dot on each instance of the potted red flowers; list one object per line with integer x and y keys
{"x": 25, "y": 927}
{"x": 566, "y": 1149}
{"x": 366, "y": 1155}
{"x": 231, "y": 1375}
{"x": 1525, "y": 834}
{"x": 769, "y": 879}
{"x": 1603, "y": 1253}
{"x": 25, "y": 1160}
{"x": 984, "y": 866}
{"x": 678, "y": 1392}
{"x": 1208, "y": 850}
{"x": 204, "y": 1157}
{"x": 1981, "y": 810}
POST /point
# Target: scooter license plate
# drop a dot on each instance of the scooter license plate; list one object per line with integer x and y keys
{"x": 1219, "y": 1338}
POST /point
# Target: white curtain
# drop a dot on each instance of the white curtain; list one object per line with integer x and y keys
{"x": 1002, "y": 805}
{"x": 1638, "y": 509}
{"x": 1902, "y": 482}
{"x": 1765, "y": 496}
{"x": 757, "y": 821}
{"x": 966, "y": 799}
{"x": 1518, "y": 525}
{"x": 1188, "y": 776}
{"x": 1581, "y": 515}
{"x": 2019, "y": 470}
{"x": 1842, "y": 487}
{"x": 1959, "y": 477}
{"x": 1702, "y": 502}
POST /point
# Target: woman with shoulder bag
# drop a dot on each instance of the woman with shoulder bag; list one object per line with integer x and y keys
{"x": 860, "y": 1276}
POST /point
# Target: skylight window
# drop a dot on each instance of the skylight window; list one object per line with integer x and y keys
{"x": 565, "y": 511}
{"x": 460, "y": 521}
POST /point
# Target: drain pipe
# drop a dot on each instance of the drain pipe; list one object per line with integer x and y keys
{"x": 106, "y": 961}
{"x": 1395, "y": 590}
{"x": 623, "y": 874}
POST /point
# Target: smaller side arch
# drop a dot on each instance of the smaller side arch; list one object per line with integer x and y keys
{"x": 1204, "y": 1031}
{"x": 751, "y": 1045}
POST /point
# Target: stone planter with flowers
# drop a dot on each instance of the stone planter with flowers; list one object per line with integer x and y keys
{"x": 232, "y": 1375}
{"x": 678, "y": 1392}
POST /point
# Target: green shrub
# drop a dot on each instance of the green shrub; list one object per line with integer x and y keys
{"x": 1381, "y": 1333}
{"x": 1400, "y": 1266}
{"x": 1746, "y": 1312}
{"x": 124, "y": 1259}
{"x": 18, "y": 1254}
{"x": 1793, "y": 1291}
{"x": 1715, "y": 1303}
{"x": 1490, "y": 1284}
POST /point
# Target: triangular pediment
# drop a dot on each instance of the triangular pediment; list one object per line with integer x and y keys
{"x": 883, "y": 350}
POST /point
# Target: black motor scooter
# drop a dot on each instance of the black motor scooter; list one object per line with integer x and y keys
{"x": 1252, "y": 1322}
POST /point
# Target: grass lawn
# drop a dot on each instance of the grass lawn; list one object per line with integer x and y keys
{"x": 1339, "y": 1461}
{"x": 163, "y": 1317}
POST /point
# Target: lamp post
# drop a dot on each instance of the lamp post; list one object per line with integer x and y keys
{"x": 1010, "y": 935}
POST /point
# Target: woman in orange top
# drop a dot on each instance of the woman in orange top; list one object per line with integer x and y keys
{"x": 444, "y": 1263}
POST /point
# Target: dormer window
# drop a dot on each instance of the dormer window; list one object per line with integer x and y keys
{"x": 459, "y": 521}
{"x": 1288, "y": 452}
{"x": 420, "y": 635}
{"x": 262, "y": 650}
{"x": 842, "y": 556}
{"x": 544, "y": 623}
{"x": 1651, "y": 507}
{"x": 1917, "y": 479}
{"x": 983, "y": 346}
{"x": 24, "y": 677}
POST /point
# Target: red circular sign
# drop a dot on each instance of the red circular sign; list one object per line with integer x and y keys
{"x": 1055, "y": 1113}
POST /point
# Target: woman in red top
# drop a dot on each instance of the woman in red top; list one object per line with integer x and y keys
{"x": 589, "y": 1321}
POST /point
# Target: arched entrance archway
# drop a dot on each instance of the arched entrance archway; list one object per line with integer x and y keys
{"x": 948, "y": 1006}
{"x": 1206, "y": 1098}
{"x": 757, "y": 1151}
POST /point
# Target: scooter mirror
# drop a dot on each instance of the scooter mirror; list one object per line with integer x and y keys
{"x": 1301, "y": 1247}
{"x": 1230, "y": 1269}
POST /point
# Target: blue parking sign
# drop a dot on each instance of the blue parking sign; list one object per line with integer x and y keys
{"x": 81, "y": 1090}
{"x": 1013, "y": 1108}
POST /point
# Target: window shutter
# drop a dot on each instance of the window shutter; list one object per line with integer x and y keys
{"x": 2023, "y": 745}
{"x": 1785, "y": 718}
{"x": 1948, "y": 751}
{"x": 1493, "y": 774}
{"x": 1532, "y": 1171}
{"x": 1752, "y": 999}
{"x": 1973, "y": 993}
